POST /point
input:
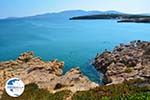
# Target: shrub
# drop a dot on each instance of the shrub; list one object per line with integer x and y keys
{"x": 128, "y": 70}
{"x": 124, "y": 91}
{"x": 32, "y": 92}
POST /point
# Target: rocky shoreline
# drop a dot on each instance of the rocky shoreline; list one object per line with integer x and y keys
{"x": 126, "y": 62}
{"x": 47, "y": 75}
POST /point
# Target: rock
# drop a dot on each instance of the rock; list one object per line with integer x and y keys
{"x": 76, "y": 81}
{"x": 116, "y": 69}
{"x": 46, "y": 74}
{"x": 145, "y": 72}
{"x": 125, "y": 62}
{"x": 25, "y": 57}
{"x": 116, "y": 80}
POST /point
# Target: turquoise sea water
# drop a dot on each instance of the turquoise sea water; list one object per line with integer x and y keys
{"x": 74, "y": 42}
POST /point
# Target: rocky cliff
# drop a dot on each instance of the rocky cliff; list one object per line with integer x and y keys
{"x": 47, "y": 75}
{"x": 125, "y": 62}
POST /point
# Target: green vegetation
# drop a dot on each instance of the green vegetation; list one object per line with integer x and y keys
{"x": 137, "y": 96}
{"x": 128, "y": 70}
{"x": 32, "y": 92}
{"x": 126, "y": 91}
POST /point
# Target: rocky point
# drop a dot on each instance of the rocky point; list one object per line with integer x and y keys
{"x": 126, "y": 62}
{"x": 46, "y": 74}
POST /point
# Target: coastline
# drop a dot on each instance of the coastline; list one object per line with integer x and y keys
{"x": 121, "y": 68}
{"x": 126, "y": 62}
{"x": 46, "y": 74}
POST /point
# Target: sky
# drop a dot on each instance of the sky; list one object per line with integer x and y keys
{"x": 19, "y": 8}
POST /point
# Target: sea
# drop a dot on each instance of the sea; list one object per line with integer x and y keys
{"x": 76, "y": 42}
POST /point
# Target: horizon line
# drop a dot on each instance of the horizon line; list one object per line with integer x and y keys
{"x": 55, "y": 12}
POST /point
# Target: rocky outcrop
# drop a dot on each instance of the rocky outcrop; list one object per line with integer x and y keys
{"x": 47, "y": 75}
{"x": 125, "y": 62}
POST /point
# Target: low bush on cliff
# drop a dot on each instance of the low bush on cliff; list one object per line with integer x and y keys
{"x": 132, "y": 90}
{"x": 128, "y": 70}
{"x": 137, "y": 96}
{"x": 32, "y": 92}
{"x": 125, "y": 91}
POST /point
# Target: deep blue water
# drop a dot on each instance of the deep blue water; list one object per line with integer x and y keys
{"x": 75, "y": 42}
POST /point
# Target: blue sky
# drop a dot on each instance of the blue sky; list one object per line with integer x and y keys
{"x": 18, "y": 8}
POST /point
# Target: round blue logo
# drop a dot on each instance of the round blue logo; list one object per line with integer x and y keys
{"x": 14, "y": 87}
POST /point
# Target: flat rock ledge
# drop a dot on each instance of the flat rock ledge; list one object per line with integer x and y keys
{"x": 126, "y": 62}
{"x": 47, "y": 75}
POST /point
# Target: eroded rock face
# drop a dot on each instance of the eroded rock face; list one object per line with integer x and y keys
{"x": 125, "y": 62}
{"x": 47, "y": 75}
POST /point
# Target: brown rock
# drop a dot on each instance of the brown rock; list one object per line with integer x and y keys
{"x": 47, "y": 75}
{"x": 125, "y": 62}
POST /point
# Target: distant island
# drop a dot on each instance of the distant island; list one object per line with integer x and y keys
{"x": 63, "y": 14}
{"x": 88, "y": 15}
{"x": 120, "y": 17}
{"x": 137, "y": 20}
